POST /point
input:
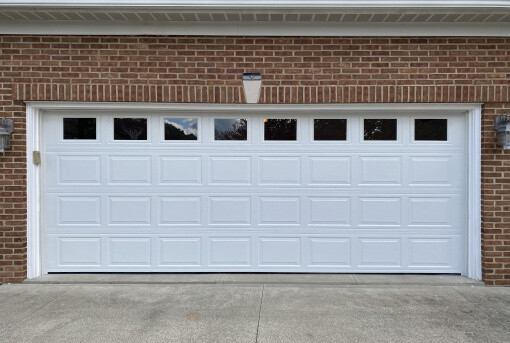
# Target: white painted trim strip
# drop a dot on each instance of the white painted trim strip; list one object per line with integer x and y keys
{"x": 256, "y": 29}
{"x": 473, "y": 268}
{"x": 259, "y": 4}
{"x": 33, "y": 194}
{"x": 474, "y": 194}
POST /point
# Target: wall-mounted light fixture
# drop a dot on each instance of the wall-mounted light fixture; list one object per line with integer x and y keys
{"x": 252, "y": 83}
{"x": 6, "y": 128}
{"x": 502, "y": 126}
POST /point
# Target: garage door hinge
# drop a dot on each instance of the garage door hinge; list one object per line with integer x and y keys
{"x": 36, "y": 157}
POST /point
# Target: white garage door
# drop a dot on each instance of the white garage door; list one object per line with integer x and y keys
{"x": 331, "y": 192}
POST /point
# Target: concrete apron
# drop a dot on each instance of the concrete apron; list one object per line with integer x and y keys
{"x": 258, "y": 279}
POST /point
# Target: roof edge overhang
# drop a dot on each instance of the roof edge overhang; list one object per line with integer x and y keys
{"x": 258, "y": 4}
{"x": 257, "y": 17}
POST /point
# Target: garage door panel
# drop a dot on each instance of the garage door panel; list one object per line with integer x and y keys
{"x": 181, "y": 170}
{"x": 432, "y": 252}
{"x": 329, "y": 170}
{"x": 330, "y": 211}
{"x": 230, "y": 251}
{"x": 329, "y": 252}
{"x": 180, "y": 252}
{"x": 129, "y": 210}
{"x": 230, "y": 210}
{"x": 132, "y": 170}
{"x": 279, "y": 210}
{"x": 78, "y": 251}
{"x": 79, "y": 210}
{"x": 279, "y": 252}
{"x": 254, "y": 205}
{"x": 380, "y": 211}
{"x": 77, "y": 170}
{"x": 130, "y": 251}
{"x": 230, "y": 170}
{"x": 381, "y": 170}
{"x": 179, "y": 210}
{"x": 281, "y": 170}
{"x": 378, "y": 252}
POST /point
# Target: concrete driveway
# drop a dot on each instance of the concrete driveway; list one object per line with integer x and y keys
{"x": 254, "y": 308}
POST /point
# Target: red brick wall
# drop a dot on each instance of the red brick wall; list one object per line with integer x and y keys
{"x": 295, "y": 70}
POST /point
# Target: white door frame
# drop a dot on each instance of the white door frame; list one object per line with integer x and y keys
{"x": 35, "y": 110}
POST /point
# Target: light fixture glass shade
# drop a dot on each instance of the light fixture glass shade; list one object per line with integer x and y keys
{"x": 5, "y": 141}
{"x": 504, "y": 139}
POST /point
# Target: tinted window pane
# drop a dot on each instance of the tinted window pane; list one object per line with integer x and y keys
{"x": 380, "y": 129}
{"x": 280, "y": 129}
{"x": 79, "y": 128}
{"x": 430, "y": 129}
{"x": 130, "y": 129}
{"x": 330, "y": 129}
{"x": 230, "y": 129}
{"x": 181, "y": 129}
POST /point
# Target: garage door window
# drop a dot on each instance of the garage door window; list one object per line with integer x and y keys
{"x": 380, "y": 129}
{"x": 430, "y": 129}
{"x": 230, "y": 129}
{"x": 330, "y": 129}
{"x": 130, "y": 129}
{"x": 280, "y": 129}
{"x": 181, "y": 129}
{"x": 80, "y": 128}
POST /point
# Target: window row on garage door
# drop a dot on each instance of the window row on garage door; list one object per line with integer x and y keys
{"x": 283, "y": 129}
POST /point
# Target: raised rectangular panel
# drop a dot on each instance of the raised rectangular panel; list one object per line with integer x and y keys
{"x": 79, "y": 251}
{"x": 279, "y": 210}
{"x": 230, "y": 210}
{"x": 380, "y": 211}
{"x": 180, "y": 251}
{"x": 279, "y": 251}
{"x": 129, "y": 251}
{"x": 381, "y": 170}
{"x": 330, "y": 252}
{"x": 230, "y": 170}
{"x": 330, "y": 211}
{"x": 181, "y": 170}
{"x": 79, "y": 169}
{"x": 79, "y": 210}
{"x": 430, "y": 252}
{"x": 280, "y": 170}
{"x": 430, "y": 211}
{"x": 230, "y": 251}
{"x": 330, "y": 170}
{"x": 429, "y": 170}
{"x": 130, "y": 169}
{"x": 180, "y": 210}
{"x": 129, "y": 210}
{"x": 380, "y": 252}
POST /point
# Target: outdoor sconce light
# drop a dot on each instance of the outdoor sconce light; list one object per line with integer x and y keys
{"x": 6, "y": 128}
{"x": 252, "y": 83}
{"x": 502, "y": 126}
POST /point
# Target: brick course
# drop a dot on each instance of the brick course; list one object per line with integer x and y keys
{"x": 295, "y": 70}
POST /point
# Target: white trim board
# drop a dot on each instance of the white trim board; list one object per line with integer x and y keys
{"x": 35, "y": 110}
{"x": 260, "y": 4}
{"x": 257, "y": 29}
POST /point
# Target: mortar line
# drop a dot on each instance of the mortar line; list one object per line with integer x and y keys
{"x": 260, "y": 311}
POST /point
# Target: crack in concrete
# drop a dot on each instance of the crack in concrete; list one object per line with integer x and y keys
{"x": 260, "y": 311}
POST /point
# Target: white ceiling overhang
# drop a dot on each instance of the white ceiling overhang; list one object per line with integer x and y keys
{"x": 251, "y": 17}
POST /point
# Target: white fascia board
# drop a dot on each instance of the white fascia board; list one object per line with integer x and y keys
{"x": 259, "y": 29}
{"x": 236, "y": 4}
